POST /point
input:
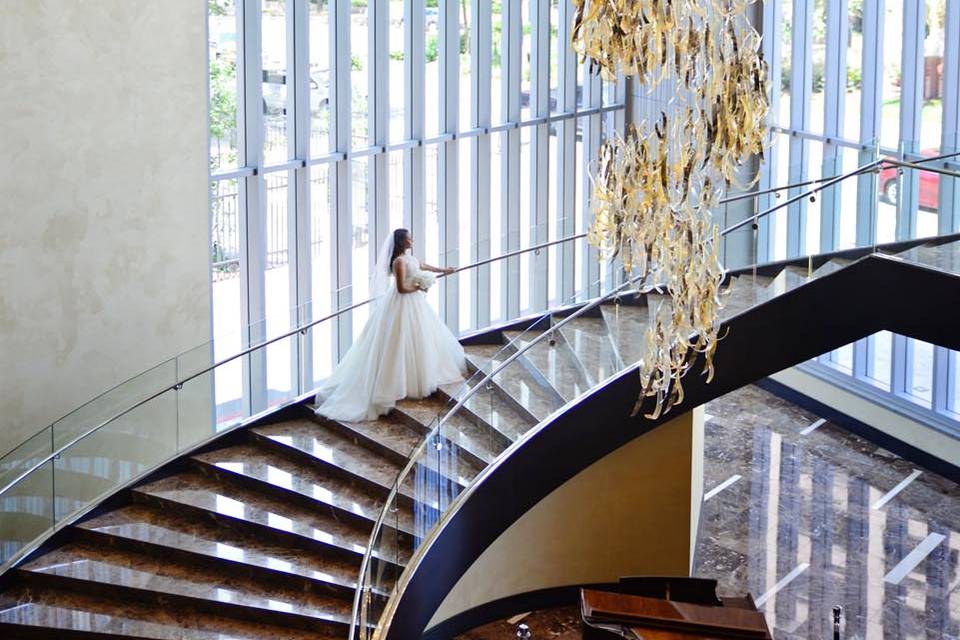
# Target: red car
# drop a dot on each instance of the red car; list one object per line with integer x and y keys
{"x": 929, "y": 185}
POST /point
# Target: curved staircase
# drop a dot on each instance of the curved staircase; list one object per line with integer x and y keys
{"x": 261, "y": 534}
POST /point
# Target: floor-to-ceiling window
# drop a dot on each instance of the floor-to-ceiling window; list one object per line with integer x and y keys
{"x": 853, "y": 81}
{"x": 471, "y": 122}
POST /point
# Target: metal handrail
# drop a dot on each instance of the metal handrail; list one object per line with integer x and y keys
{"x": 301, "y": 329}
{"x": 829, "y": 182}
{"x": 415, "y": 455}
{"x": 754, "y": 194}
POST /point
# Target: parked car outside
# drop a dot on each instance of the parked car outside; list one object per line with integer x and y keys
{"x": 274, "y": 96}
{"x": 929, "y": 185}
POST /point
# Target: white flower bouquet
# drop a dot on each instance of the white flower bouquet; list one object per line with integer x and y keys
{"x": 423, "y": 280}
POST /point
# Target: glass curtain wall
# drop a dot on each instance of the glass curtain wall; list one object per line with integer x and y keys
{"x": 858, "y": 80}
{"x": 470, "y": 122}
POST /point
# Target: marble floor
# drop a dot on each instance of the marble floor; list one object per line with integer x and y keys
{"x": 805, "y": 516}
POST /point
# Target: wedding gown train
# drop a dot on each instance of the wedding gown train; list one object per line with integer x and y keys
{"x": 404, "y": 351}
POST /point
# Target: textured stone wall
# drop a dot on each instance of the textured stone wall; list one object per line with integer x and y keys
{"x": 103, "y": 198}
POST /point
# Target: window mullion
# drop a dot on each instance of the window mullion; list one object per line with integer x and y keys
{"x": 480, "y": 74}
{"x": 870, "y": 102}
{"x": 510, "y": 160}
{"x": 800, "y": 95}
{"x": 949, "y": 213}
{"x": 378, "y": 56}
{"x": 566, "y": 151}
{"x": 835, "y": 91}
{"x": 299, "y": 231}
{"x": 771, "y": 48}
{"x": 253, "y": 232}
{"x": 540, "y": 149}
{"x": 342, "y": 251}
{"x": 414, "y": 70}
{"x": 911, "y": 93}
{"x": 448, "y": 178}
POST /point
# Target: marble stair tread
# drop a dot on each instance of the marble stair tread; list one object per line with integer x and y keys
{"x": 743, "y": 293}
{"x": 230, "y": 501}
{"x": 99, "y": 567}
{"x": 590, "y": 341}
{"x": 659, "y": 304}
{"x": 160, "y": 528}
{"x": 256, "y": 463}
{"x": 322, "y": 442}
{"x": 57, "y": 613}
{"x": 493, "y": 409}
{"x": 627, "y": 325}
{"x": 790, "y": 277}
{"x": 830, "y": 266}
{"x": 945, "y": 257}
{"x": 515, "y": 381}
{"x": 555, "y": 362}
{"x": 480, "y": 440}
{"x": 388, "y": 431}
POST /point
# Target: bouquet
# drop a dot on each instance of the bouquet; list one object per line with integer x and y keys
{"x": 423, "y": 280}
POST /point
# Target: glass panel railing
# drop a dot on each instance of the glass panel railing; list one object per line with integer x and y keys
{"x": 455, "y": 451}
{"x": 133, "y": 428}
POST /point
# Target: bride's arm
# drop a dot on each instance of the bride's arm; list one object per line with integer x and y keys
{"x": 400, "y": 272}
{"x": 428, "y": 267}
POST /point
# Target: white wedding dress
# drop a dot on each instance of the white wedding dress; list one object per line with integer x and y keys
{"x": 404, "y": 351}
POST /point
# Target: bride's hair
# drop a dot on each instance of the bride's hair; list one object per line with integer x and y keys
{"x": 399, "y": 236}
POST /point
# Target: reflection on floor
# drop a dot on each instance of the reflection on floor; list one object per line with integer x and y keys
{"x": 805, "y": 516}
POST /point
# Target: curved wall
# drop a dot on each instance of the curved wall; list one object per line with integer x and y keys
{"x": 596, "y": 526}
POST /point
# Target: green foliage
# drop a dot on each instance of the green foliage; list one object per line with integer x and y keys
{"x": 223, "y": 98}
{"x": 396, "y": 55}
{"x": 433, "y": 49}
{"x": 854, "y": 79}
{"x": 433, "y": 4}
{"x": 356, "y": 63}
{"x": 218, "y": 7}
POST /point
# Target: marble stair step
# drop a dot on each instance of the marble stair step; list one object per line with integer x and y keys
{"x": 488, "y": 405}
{"x": 627, "y": 326}
{"x": 591, "y": 342}
{"x": 945, "y": 257}
{"x": 113, "y": 573}
{"x": 790, "y": 277}
{"x": 517, "y": 383}
{"x": 830, "y": 266}
{"x": 158, "y": 531}
{"x": 265, "y": 470}
{"x": 198, "y": 495}
{"x": 659, "y": 305}
{"x": 481, "y": 441}
{"x": 324, "y": 445}
{"x": 63, "y": 615}
{"x": 392, "y": 436}
{"x": 742, "y": 293}
{"x": 555, "y": 362}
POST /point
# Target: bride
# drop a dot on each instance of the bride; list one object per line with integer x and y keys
{"x": 404, "y": 351}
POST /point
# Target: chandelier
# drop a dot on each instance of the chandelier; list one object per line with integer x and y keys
{"x": 654, "y": 186}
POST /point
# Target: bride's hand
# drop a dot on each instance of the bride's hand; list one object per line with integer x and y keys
{"x": 447, "y": 270}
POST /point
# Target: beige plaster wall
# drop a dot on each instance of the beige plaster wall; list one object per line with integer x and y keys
{"x": 632, "y": 512}
{"x": 103, "y": 198}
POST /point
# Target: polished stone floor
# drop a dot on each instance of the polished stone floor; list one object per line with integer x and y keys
{"x": 805, "y": 516}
